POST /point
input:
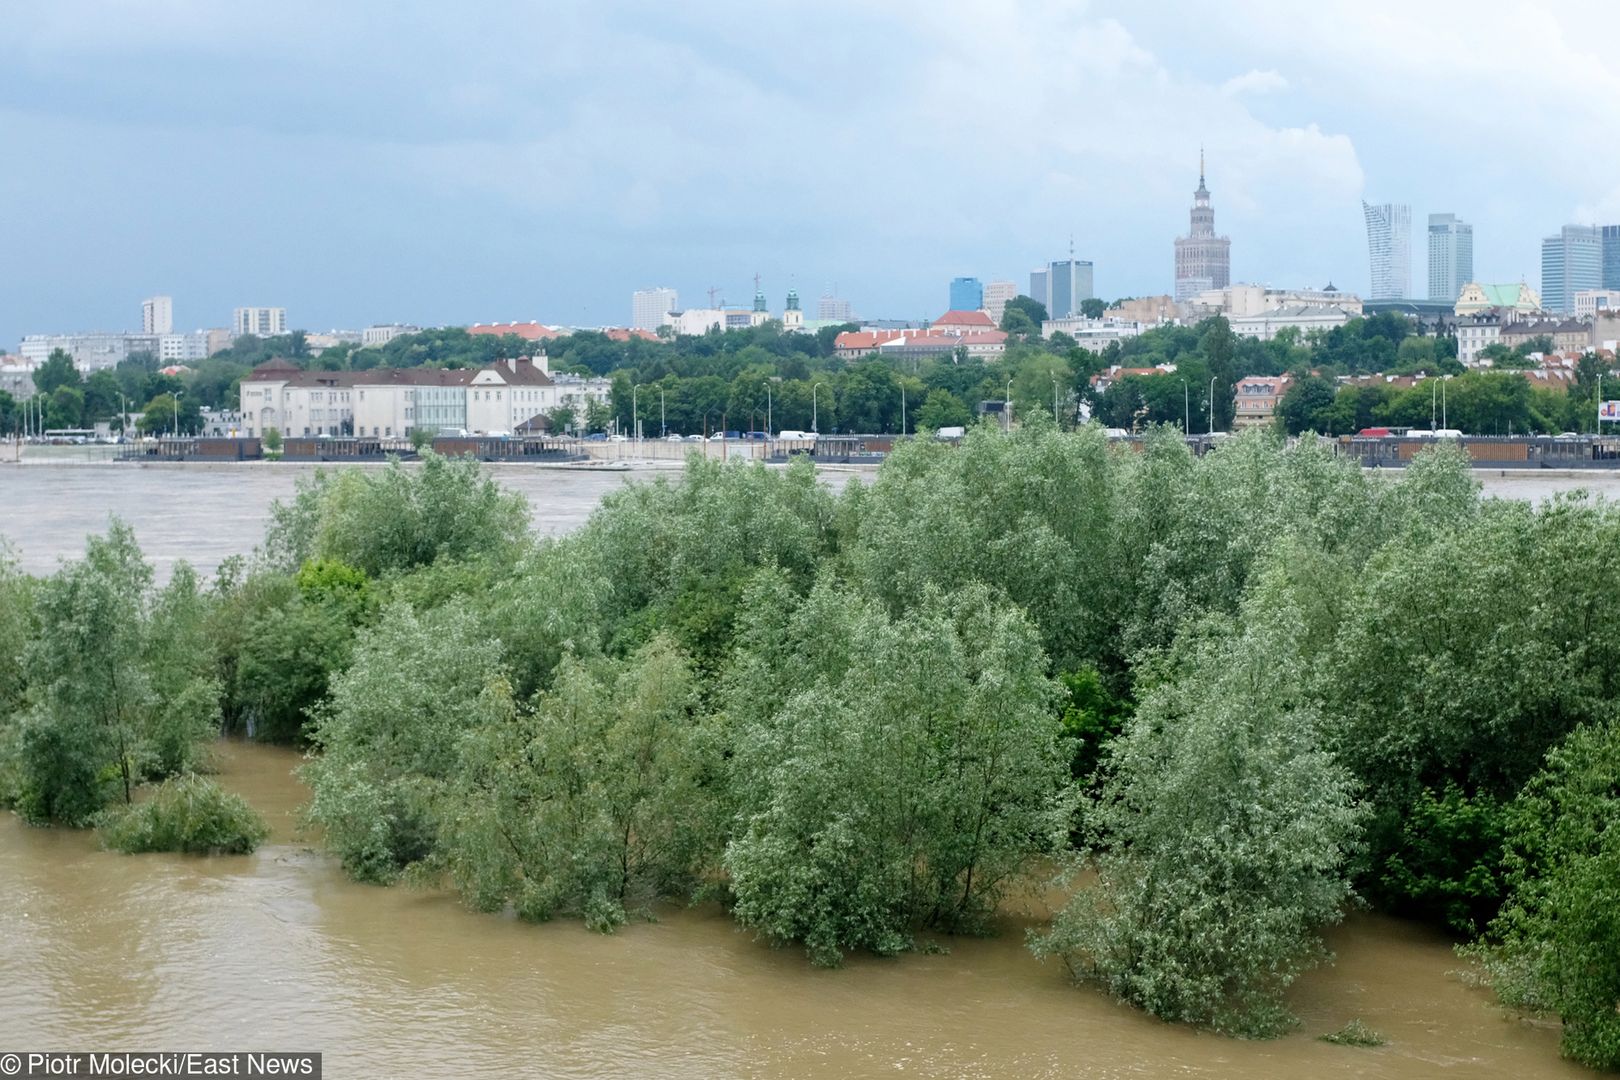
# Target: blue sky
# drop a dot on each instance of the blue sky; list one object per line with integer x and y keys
{"x": 364, "y": 162}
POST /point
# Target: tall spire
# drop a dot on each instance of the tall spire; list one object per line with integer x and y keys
{"x": 1200, "y": 164}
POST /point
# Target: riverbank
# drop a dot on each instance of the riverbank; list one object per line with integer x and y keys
{"x": 279, "y": 950}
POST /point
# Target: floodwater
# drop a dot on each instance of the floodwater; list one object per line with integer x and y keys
{"x": 206, "y": 513}
{"x": 279, "y": 951}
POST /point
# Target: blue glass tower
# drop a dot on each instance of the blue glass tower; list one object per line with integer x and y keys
{"x": 967, "y": 294}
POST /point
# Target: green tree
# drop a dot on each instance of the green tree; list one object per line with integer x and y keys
{"x": 597, "y": 802}
{"x": 1220, "y": 837}
{"x": 81, "y": 743}
{"x": 57, "y": 371}
{"x": 1556, "y": 945}
{"x": 389, "y": 739}
{"x": 66, "y": 409}
{"x": 888, "y": 774}
{"x": 941, "y": 408}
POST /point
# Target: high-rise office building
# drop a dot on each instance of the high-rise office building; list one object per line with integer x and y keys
{"x": 157, "y": 315}
{"x": 649, "y": 306}
{"x": 259, "y": 321}
{"x": 1451, "y": 256}
{"x": 1611, "y": 256}
{"x": 996, "y": 295}
{"x": 967, "y": 294}
{"x": 1203, "y": 259}
{"x": 1069, "y": 281}
{"x": 1571, "y": 262}
{"x": 834, "y": 308}
{"x": 1389, "y": 249}
{"x": 1040, "y": 288}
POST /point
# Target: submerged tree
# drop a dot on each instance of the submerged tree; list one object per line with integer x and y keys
{"x": 890, "y": 774}
{"x": 1220, "y": 837}
{"x": 596, "y": 802}
{"x": 1556, "y": 944}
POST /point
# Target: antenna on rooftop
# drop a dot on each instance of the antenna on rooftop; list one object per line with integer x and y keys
{"x": 714, "y": 290}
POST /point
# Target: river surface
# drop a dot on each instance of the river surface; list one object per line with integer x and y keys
{"x": 279, "y": 951}
{"x": 206, "y": 513}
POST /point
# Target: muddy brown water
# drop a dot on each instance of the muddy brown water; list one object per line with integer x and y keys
{"x": 278, "y": 950}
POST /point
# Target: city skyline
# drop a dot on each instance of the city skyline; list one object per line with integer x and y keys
{"x": 473, "y": 194}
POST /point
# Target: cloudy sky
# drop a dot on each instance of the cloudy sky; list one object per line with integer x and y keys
{"x": 361, "y": 161}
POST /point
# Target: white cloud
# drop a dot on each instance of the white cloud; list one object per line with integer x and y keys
{"x": 1254, "y": 82}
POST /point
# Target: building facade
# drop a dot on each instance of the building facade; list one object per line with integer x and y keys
{"x": 1237, "y": 301}
{"x": 649, "y": 306}
{"x": 967, "y": 294}
{"x": 1590, "y": 303}
{"x": 89, "y": 352}
{"x": 1203, "y": 259}
{"x": 996, "y": 295}
{"x": 183, "y": 348}
{"x": 1611, "y": 256}
{"x": 1476, "y": 333}
{"x": 834, "y": 309}
{"x": 393, "y": 402}
{"x": 259, "y": 321}
{"x": 1389, "y": 249}
{"x": 1571, "y": 262}
{"x": 1302, "y": 317}
{"x": 1070, "y": 282}
{"x": 1451, "y": 256}
{"x": 1255, "y": 400}
{"x": 157, "y": 315}
{"x": 373, "y": 336}
{"x": 1477, "y": 298}
{"x": 1040, "y": 288}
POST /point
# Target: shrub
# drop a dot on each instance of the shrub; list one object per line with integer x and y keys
{"x": 190, "y": 814}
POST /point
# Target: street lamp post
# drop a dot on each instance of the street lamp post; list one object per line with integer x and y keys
{"x": 1186, "y": 410}
{"x": 176, "y": 400}
{"x": 1212, "y": 404}
{"x": 635, "y": 417}
{"x": 663, "y": 428}
{"x": 768, "y": 422}
{"x": 814, "y": 414}
{"x": 902, "y": 410}
{"x": 1006, "y": 409}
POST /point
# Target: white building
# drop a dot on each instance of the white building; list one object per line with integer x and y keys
{"x": 649, "y": 306}
{"x": 183, "y": 348}
{"x": 392, "y": 402}
{"x": 695, "y": 321}
{"x": 996, "y": 295}
{"x": 1093, "y": 334}
{"x": 1474, "y": 333}
{"x": 834, "y": 309}
{"x": 157, "y": 315}
{"x": 373, "y": 336}
{"x": 1303, "y": 317}
{"x": 90, "y": 352}
{"x": 1589, "y": 303}
{"x": 17, "y": 377}
{"x": 1237, "y": 301}
{"x": 259, "y": 321}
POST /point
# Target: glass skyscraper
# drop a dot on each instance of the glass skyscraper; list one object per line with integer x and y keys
{"x": 1389, "y": 250}
{"x": 1570, "y": 262}
{"x": 967, "y": 294}
{"x": 1451, "y": 256}
{"x": 1611, "y": 256}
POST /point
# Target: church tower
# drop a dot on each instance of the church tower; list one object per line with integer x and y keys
{"x": 792, "y": 317}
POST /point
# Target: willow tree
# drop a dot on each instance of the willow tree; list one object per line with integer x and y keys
{"x": 595, "y": 802}
{"x": 1220, "y": 837}
{"x": 888, "y": 774}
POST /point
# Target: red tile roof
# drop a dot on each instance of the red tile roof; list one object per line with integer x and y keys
{"x": 619, "y": 333}
{"x": 976, "y": 320}
{"x": 528, "y": 331}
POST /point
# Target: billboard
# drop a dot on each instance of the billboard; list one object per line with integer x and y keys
{"x": 1609, "y": 411}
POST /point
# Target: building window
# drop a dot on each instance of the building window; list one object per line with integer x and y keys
{"x": 388, "y": 431}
